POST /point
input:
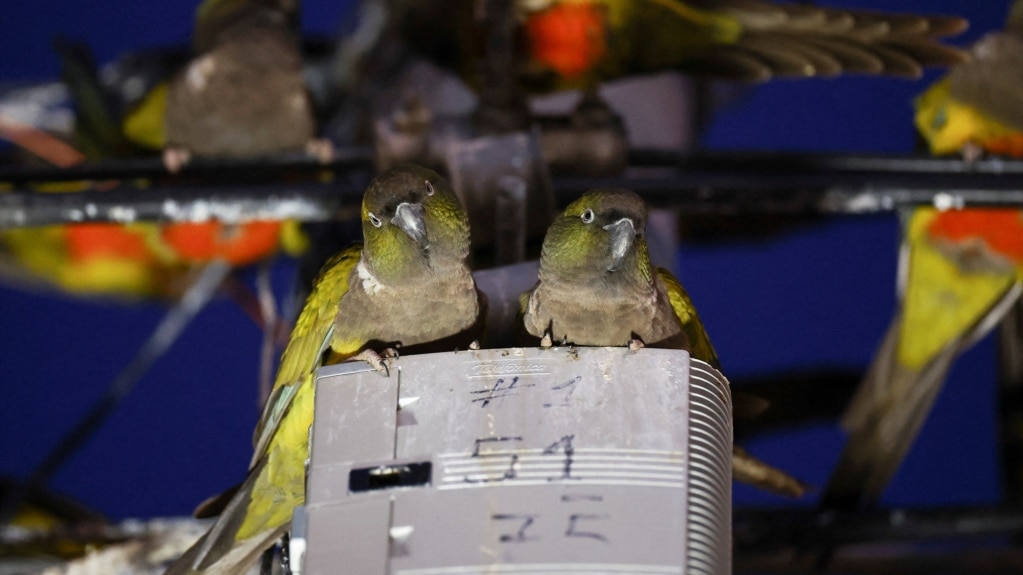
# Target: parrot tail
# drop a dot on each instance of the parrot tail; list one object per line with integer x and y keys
{"x": 219, "y": 551}
{"x": 889, "y": 408}
{"x": 750, "y": 470}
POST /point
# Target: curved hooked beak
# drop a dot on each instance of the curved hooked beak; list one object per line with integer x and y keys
{"x": 623, "y": 234}
{"x": 409, "y": 219}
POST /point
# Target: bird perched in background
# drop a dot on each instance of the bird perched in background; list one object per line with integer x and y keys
{"x": 132, "y": 261}
{"x": 576, "y": 43}
{"x": 960, "y": 270}
{"x": 978, "y": 106}
{"x": 408, "y": 284}
{"x": 597, "y": 287}
{"x": 242, "y": 95}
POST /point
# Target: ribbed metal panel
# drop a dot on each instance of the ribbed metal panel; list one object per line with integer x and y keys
{"x": 708, "y": 537}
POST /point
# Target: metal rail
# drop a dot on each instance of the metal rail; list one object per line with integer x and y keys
{"x": 297, "y": 187}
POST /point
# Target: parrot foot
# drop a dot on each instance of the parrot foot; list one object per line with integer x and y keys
{"x": 475, "y": 345}
{"x": 972, "y": 153}
{"x": 377, "y": 360}
{"x": 636, "y": 344}
{"x": 321, "y": 149}
{"x": 175, "y": 158}
{"x": 547, "y": 342}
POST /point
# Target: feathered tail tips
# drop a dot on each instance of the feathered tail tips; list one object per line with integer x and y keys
{"x": 219, "y": 551}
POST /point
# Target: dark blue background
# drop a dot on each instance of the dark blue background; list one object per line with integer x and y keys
{"x": 820, "y": 295}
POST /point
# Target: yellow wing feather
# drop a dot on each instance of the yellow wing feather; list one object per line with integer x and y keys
{"x": 313, "y": 324}
{"x": 699, "y": 342}
{"x": 282, "y": 433}
{"x": 301, "y": 357}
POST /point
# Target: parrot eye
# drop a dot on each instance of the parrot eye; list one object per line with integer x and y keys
{"x": 429, "y": 188}
{"x": 587, "y": 216}
{"x": 374, "y": 220}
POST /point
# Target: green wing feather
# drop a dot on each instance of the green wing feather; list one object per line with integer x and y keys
{"x": 699, "y": 342}
{"x": 261, "y": 508}
{"x": 308, "y": 342}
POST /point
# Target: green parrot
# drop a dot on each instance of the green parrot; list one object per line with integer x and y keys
{"x": 977, "y": 107}
{"x": 597, "y": 287}
{"x": 960, "y": 270}
{"x": 960, "y": 273}
{"x": 243, "y": 93}
{"x": 577, "y": 43}
{"x": 407, "y": 285}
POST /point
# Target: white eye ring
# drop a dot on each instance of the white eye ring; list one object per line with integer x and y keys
{"x": 587, "y": 216}
{"x": 374, "y": 220}
{"x": 429, "y": 188}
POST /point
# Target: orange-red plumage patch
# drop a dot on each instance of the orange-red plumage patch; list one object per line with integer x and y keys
{"x": 87, "y": 241}
{"x": 570, "y": 38}
{"x": 1001, "y": 230}
{"x": 238, "y": 245}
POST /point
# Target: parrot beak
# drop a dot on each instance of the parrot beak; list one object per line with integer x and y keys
{"x": 623, "y": 234}
{"x": 409, "y": 219}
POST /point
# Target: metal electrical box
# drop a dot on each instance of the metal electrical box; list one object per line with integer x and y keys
{"x": 525, "y": 461}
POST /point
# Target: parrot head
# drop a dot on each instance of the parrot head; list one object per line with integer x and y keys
{"x": 945, "y": 124}
{"x": 599, "y": 235}
{"x": 411, "y": 219}
{"x": 213, "y": 17}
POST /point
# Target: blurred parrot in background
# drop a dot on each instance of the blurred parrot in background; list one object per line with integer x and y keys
{"x": 242, "y": 95}
{"x": 733, "y": 39}
{"x": 261, "y": 105}
{"x": 960, "y": 270}
{"x": 577, "y": 43}
{"x": 597, "y": 286}
{"x": 408, "y": 284}
{"x": 977, "y": 107}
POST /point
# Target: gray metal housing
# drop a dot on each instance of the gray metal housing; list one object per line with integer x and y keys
{"x": 524, "y": 461}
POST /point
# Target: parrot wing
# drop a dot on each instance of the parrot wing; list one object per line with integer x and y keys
{"x": 97, "y": 129}
{"x": 795, "y": 40}
{"x": 753, "y": 40}
{"x": 310, "y": 338}
{"x": 259, "y": 511}
{"x": 143, "y": 124}
{"x": 699, "y": 342}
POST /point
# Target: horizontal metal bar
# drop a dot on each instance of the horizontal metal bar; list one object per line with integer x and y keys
{"x": 297, "y": 187}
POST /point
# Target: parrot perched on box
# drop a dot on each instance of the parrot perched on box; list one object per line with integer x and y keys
{"x": 597, "y": 286}
{"x": 577, "y": 43}
{"x": 960, "y": 270}
{"x": 408, "y": 284}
